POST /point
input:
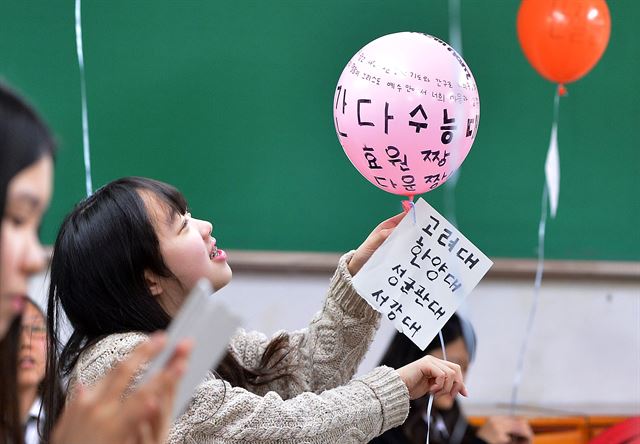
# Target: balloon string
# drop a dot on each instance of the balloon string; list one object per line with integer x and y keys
{"x": 83, "y": 93}
{"x": 455, "y": 40}
{"x": 428, "y": 418}
{"x": 455, "y": 30}
{"x": 444, "y": 351}
{"x": 517, "y": 380}
{"x": 556, "y": 105}
{"x": 409, "y": 206}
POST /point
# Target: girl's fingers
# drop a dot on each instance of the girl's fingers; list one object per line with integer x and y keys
{"x": 456, "y": 389}
{"x": 164, "y": 386}
{"x": 457, "y": 377}
{"x": 450, "y": 382}
{"x": 372, "y": 242}
{"x": 162, "y": 420}
{"x": 382, "y": 231}
{"x": 439, "y": 371}
{"x": 463, "y": 390}
{"x": 171, "y": 375}
{"x": 156, "y": 396}
{"x": 437, "y": 384}
{"x": 177, "y": 363}
{"x": 145, "y": 434}
{"x": 448, "y": 385}
{"x": 433, "y": 371}
{"x": 447, "y": 380}
{"x": 392, "y": 221}
{"x": 141, "y": 405}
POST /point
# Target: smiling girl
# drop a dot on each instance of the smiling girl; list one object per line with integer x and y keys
{"x": 123, "y": 263}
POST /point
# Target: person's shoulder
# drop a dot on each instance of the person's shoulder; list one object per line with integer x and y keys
{"x": 118, "y": 345}
{"x": 107, "y": 352}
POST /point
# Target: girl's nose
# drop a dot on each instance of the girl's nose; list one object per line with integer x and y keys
{"x": 34, "y": 259}
{"x": 206, "y": 228}
{"x": 25, "y": 338}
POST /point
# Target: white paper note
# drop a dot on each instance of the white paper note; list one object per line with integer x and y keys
{"x": 421, "y": 274}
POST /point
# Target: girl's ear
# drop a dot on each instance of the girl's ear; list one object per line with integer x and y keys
{"x": 153, "y": 283}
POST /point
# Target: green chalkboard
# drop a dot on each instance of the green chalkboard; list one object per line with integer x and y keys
{"x": 231, "y": 102}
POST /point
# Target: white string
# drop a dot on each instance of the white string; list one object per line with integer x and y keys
{"x": 534, "y": 305}
{"x": 455, "y": 29}
{"x": 517, "y": 379}
{"x": 444, "y": 351}
{"x": 413, "y": 211}
{"x": 455, "y": 40}
{"x": 429, "y": 405}
{"x": 83, "y": 94}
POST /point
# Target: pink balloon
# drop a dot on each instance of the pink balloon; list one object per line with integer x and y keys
{"x": 406, "y": 110}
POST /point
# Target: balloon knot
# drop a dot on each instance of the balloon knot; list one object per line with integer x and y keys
{"x": 407, "y": 204}
{"x": 562, "y": 91}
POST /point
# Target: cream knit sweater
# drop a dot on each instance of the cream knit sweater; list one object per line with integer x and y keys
{"x": 321, "y": 404}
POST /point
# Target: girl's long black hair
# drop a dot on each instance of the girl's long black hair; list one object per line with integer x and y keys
{"x": 24, "y": 139}
{"x": 100, "y": 256}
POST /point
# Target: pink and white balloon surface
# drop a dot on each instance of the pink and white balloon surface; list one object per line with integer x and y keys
{"x": 406, "y": 110}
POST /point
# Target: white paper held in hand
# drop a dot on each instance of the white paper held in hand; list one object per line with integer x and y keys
{"x": 421, "y": 274}
{"x": 210, "y": 325}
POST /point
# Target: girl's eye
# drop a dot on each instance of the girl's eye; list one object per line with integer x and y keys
{"x": 16, "y": 220}
{"x": 185, "y": 221}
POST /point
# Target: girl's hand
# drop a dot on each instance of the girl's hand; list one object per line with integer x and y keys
{"x": 371, "y": 243}
{"x": 432, "y": 375}
{"x": 102, "y": 414}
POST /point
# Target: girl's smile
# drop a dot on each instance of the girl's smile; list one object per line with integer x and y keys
{"x": 216, "y": 253}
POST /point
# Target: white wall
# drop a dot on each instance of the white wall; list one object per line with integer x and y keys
{"x": 584, "y": 351}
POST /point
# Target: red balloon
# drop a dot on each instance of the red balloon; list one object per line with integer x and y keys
{"x": 563, "y": 39}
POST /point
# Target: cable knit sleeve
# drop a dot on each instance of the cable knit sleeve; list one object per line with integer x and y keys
{"x": 327, "y": 353}
{"x": 353, "y": 413}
